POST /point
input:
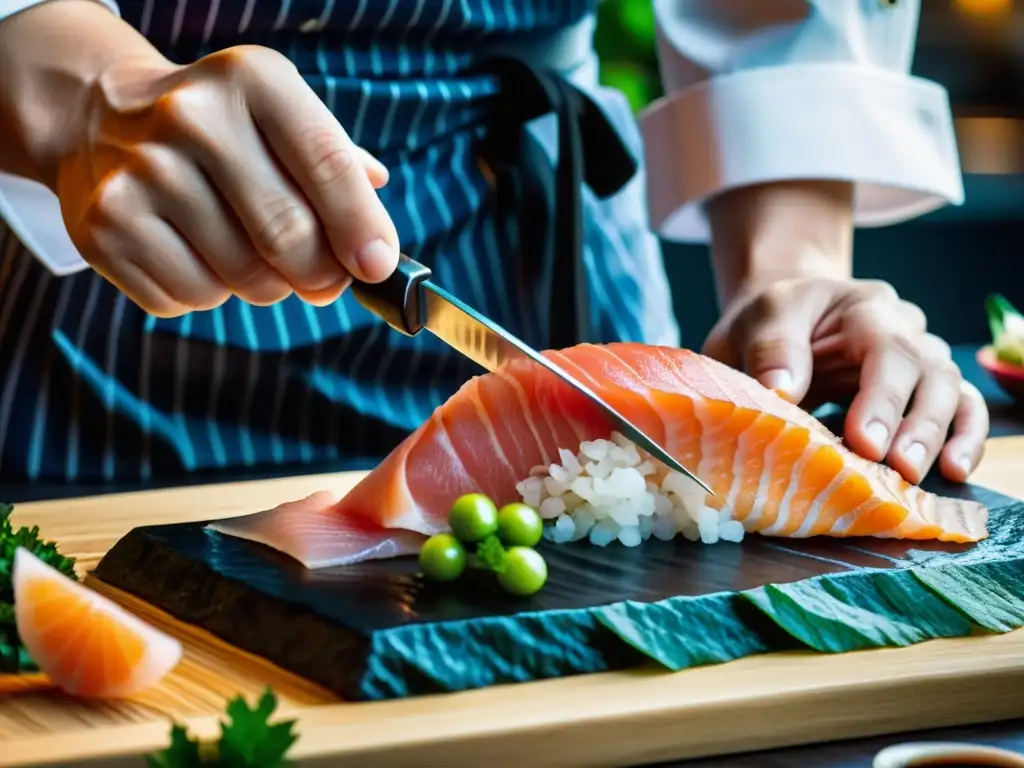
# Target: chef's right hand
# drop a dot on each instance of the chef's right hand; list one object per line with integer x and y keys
{"x": 228, "y": 176}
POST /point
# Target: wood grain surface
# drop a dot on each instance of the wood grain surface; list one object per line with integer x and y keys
{"x": 635, "y": 717}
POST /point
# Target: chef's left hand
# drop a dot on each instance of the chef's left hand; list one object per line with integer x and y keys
{"x": 825, "y": 339}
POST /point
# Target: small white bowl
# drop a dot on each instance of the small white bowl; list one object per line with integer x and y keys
{"x": 935, "y": 754}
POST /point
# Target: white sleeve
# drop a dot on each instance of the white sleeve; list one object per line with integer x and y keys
{"x": 772, "y": 91}
{"x": 30, "y": 209}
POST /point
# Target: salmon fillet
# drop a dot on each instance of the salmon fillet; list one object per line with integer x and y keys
{"x": 778, "y": 470}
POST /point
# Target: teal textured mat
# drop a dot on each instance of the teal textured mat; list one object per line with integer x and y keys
{"x": 377, "y": 630}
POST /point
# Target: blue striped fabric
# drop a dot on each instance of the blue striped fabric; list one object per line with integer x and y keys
{"x": 92, "y": 388}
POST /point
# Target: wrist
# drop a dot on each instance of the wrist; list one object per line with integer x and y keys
{"x": 52, "y": 57}
{"x": 785, "y": 230}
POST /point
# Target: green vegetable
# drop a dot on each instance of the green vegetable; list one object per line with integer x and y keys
{"x": 13, "y": 656}
{"x": 443, "y": 557}
{"x": 1007, "y": 327}
{"x": 519, "y": 525}
{"x": 525, "y": 571}
{"x": 490, "y": 554}
{"x": 473, "y": 517}
{"x": 247, "y": 740}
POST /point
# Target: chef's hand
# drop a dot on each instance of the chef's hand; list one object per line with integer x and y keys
{"x": 805, "y": 327}
{"x": 187, "y": 184}
{"x": 822, "y": 340}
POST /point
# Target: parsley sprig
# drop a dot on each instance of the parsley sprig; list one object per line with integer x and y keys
{"x": 13, "y": 656}
{"x": 247, "y": 740}
{"x": 491, "y": 555}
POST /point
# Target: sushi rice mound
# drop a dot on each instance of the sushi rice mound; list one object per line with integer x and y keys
{"x": 610, "y": 490}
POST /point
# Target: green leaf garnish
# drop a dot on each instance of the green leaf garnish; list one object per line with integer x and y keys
{"x": 1000, "y": 313}
{"x": 490, "y": 554}
{"x": 183, "y": 751}
{"x": 250, "y": 740}
{"x": 997, "y": 308}
{"x": 247, "y": 740}
{"x": 13, "y": 656}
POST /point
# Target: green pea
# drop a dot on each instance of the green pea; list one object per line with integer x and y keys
{"x": 473, "y": 517}
{"x": 442, "y": 557}
{"x": 525, "y": 571}
{"x": 519, "y": 525}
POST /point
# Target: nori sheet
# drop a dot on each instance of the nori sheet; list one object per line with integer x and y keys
{"x": 377, "y": 630}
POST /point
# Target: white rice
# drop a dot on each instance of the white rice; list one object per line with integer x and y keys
{"x": 610, "y": 490}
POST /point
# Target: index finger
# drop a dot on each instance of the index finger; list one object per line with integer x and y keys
{"x": 330, "y": 170}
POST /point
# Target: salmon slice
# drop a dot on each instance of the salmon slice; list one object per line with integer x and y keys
{"x": 772, "y": 466}
{"x": 318, "y": 533}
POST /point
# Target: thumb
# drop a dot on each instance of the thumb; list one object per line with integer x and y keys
{"x": 776, "y": 348}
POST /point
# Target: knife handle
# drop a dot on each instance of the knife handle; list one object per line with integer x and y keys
{"x": 397, "y": 300}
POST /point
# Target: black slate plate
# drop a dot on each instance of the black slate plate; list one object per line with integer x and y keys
{"x": 377, "y": 630}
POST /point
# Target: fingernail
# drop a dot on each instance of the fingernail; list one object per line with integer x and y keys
{"x": 965, "y": 463}
{"x": 878, "y": 434}
{"x": 779, "y": 379}
{"x": 914, "y": 454}
{"x": 375, "y": 260}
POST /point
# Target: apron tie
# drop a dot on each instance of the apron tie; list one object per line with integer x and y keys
{"x": 590, "y": 150}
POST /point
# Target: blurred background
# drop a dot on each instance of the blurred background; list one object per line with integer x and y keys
{"x": 946, "y": 262}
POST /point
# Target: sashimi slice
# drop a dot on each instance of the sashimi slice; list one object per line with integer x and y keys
{"x": 312, "y": 531}
{"x": 85, "y": 643}
{"x": 773, "y": 467}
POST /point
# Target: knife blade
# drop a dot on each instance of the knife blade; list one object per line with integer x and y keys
{"x": 409, "y": 302}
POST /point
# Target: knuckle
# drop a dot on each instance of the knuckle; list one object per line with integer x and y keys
{"x": 176, "y": 109}
{"x": 878, "y": 290}
{"x": 938, "y": 352}
{"x": 768, "y": 346}
{"x": 288, "y": 228}
{"x": 768, "y": 351}
{"x": 243, "y": 62}
{"x": 913, "y": 315}
{"x": 930, "y": 431}
{"x": 331, "y": 159}
{"x": 251, "y": 273}
{"x": 768, "y": 303}
{"x": 158, "y": 165}
{"x": 258, "y": 284}
{"x": 115, "y": 195}
{"x": 904, "y": 345}
{"x": 197, "y": 295}
{"x": 970, "y": 392}
{"x": 893, "y": 399}
{"x": 945, "y": 369}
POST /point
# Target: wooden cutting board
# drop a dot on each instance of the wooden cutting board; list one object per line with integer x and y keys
{"x": 634, "y": 717}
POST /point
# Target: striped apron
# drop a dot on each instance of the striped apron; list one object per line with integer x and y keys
{"x": 92, "y": 388}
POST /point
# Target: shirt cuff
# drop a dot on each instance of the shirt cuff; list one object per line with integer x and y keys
{"x": 33, "y": 213}
{"x": 890, "y": 134}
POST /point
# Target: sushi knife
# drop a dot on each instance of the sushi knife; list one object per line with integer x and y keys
{"x": 409, "y": 302}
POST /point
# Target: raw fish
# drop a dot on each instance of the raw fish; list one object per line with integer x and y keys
{"x": 773, "y": 467}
